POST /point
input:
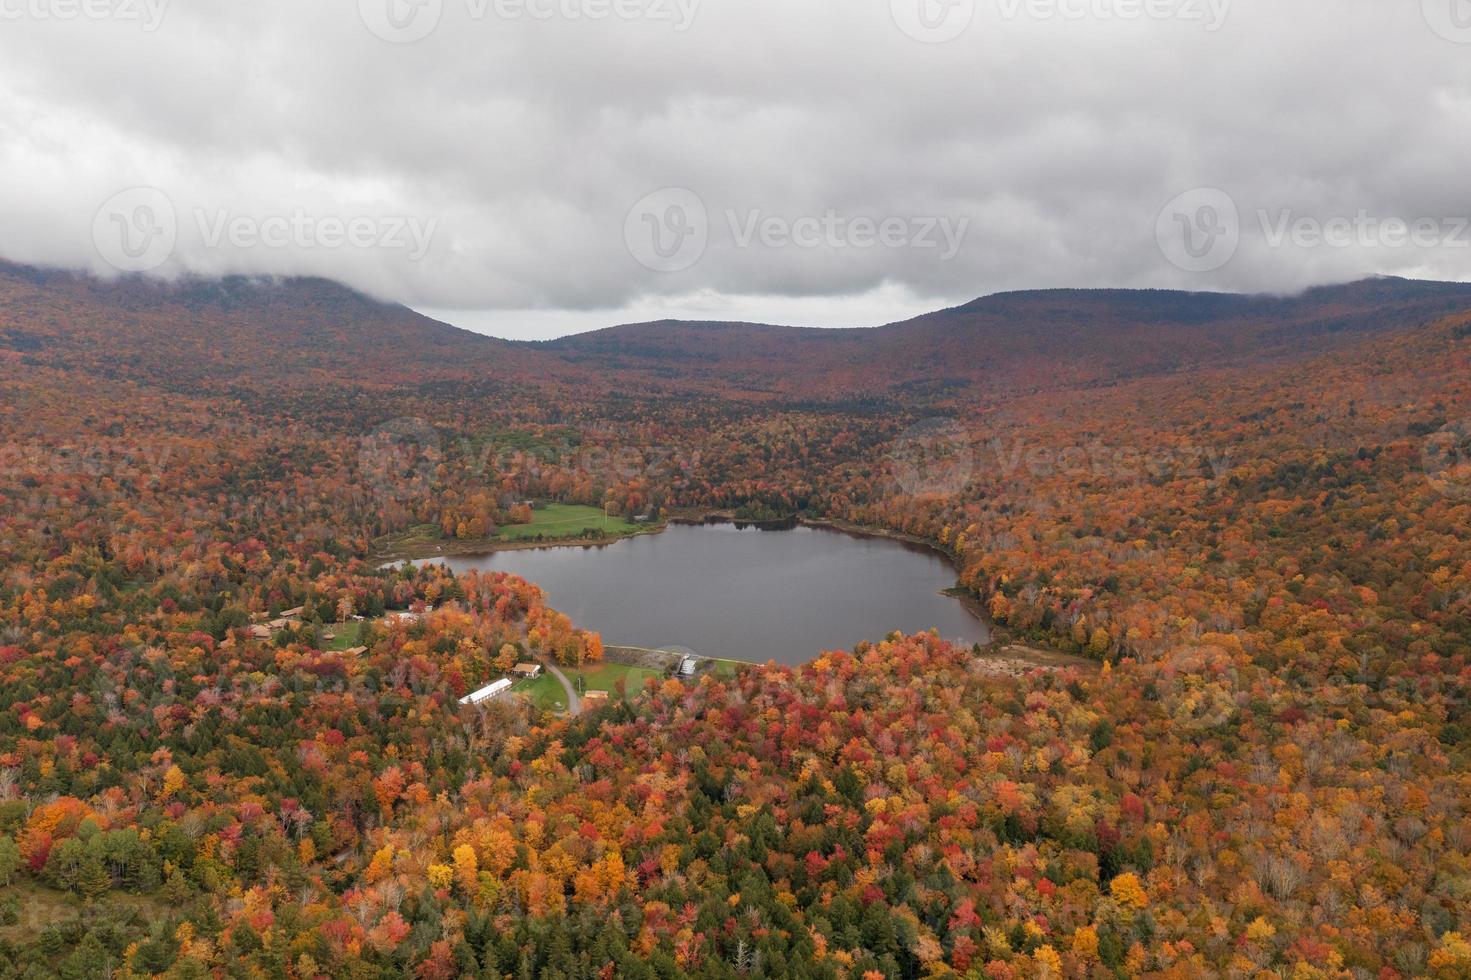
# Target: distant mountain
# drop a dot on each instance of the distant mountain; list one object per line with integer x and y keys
{"x": 258, "y": 334}
{"x": 232, "y": 331}
{"x": 1022, "y": 340}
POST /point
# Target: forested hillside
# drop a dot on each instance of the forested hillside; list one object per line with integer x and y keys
{"x": 1253, "y": 512}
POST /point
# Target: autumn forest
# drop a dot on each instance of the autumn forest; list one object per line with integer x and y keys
{"x": 232, "y": 737}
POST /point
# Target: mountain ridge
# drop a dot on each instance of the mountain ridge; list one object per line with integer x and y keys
{"x": 309, "y": 332}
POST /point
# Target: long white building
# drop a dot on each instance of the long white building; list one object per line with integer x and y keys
{"x": 486, "y": 693}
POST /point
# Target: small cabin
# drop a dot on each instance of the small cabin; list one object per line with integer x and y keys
{"x": 688, "y": 666}
{"x": 527, "y": 671}
{"x": 486, "y": 693}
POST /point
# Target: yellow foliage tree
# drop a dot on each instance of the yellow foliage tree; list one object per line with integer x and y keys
{"x": 381, "y": 865}
{"x": 467, "y": 869}
{"x": 173, "y": 782}
{"x": 1127, "y": 890}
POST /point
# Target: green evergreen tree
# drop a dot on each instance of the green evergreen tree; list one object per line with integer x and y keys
{"x": 9, "y": 860}
{"x": 88, "y": 961}
{"x": 93, "y": 881}
{"x": 176, "y": 889}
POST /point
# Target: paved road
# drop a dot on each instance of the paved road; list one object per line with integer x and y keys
{"x": 574, "y": 703}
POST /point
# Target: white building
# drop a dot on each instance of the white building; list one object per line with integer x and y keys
{"x": 486, "y": 693}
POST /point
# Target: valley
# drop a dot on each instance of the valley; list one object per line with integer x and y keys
{"x": 1239, "y": 522}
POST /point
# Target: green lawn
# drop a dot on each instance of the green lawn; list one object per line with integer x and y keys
{"x": 567, "y": 521}
{"x": 545, "y": 692}
{"x": 349, "y": 635}
{"x": 605, "y": 677}
{"x": 552, "y": 522}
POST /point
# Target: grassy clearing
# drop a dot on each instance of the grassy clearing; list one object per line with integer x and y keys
{"x": 545, "y": 692}
{"x": 552, "y": 524}
{"x": 349, "y": 635}
{"x": 567, "y": 521}
{"x": 419, "y": 536}
{"x": 605, "y": 677}
{"x": 40, "y": 907}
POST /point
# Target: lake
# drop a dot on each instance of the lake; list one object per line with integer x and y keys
{"x": 745, "y": 594}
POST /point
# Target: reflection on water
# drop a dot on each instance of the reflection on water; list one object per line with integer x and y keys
{"x": 745, "y": 594}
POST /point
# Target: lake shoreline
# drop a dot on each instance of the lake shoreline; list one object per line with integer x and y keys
{"x": 479, "y": 547}
{"x": 1001, "y": 648}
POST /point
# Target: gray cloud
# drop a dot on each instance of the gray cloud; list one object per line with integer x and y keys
{"x": 827, "y": 148}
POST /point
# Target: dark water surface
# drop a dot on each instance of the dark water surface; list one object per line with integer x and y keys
{"x": 745, "y": 594}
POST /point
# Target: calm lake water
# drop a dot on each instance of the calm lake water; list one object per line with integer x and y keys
{"x": 745, "y": 594}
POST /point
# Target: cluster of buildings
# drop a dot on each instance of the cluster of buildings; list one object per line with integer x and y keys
{"x": 291, "y": 618}
{"x": 520, "y": 672}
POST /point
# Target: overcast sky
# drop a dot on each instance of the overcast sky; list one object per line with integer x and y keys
{"x": 537, "y": 167}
